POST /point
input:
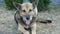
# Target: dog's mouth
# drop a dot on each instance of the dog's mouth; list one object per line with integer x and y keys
{"x": 27, "y": 22}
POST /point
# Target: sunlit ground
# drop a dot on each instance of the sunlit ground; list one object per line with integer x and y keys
{"x": 8, "y": 25}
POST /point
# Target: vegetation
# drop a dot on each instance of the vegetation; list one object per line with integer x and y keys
{"x": 9, "y": 3}
{"x": 43, "y": 4}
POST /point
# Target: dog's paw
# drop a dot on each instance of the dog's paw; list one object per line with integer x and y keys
{"x": 27, "y": 32}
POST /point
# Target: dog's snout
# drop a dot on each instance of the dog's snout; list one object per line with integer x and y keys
{"x": 27, "y": 17}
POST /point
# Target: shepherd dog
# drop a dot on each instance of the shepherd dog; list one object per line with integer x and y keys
{"x": 26, "y": 17}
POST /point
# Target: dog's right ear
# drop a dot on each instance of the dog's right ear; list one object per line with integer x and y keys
{"x": 17, "y": 5}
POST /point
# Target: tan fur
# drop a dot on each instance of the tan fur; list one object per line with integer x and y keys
{"x": 27, "y": 7}
{"x": 24, "y": 9}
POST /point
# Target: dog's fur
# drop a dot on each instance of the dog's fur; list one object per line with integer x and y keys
{"x": 24, "y": 10}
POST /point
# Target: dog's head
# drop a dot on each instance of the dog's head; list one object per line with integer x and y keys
{"x": 26, "y": 11}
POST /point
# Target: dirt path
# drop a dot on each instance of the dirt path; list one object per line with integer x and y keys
{"x": 8, "y": 25}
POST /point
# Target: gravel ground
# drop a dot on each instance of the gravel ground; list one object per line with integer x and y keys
{"x": 8, "y": 25}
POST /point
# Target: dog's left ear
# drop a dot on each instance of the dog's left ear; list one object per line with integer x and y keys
{"x": 17, "y": 5}
{"x": 35, "y": 3}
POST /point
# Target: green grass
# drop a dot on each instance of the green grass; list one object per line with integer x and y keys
{"x": 54, "y": 7}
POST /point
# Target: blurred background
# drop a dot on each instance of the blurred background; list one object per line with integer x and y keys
{"x": 48, "y": 9}
{"x": 43, "y": 4}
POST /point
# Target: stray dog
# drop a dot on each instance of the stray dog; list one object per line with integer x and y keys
{"x": 25, "y": 17}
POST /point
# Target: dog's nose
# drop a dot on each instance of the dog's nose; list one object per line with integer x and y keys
{"x": 27, "y": 17}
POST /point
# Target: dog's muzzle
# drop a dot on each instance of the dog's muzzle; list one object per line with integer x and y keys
{"x": 27, "y": 19}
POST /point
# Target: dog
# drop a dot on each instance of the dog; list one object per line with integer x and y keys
{"x": 25, "y": 16}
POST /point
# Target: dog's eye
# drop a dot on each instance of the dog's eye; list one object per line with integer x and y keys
{"x": 30, "y": 10}
{"x": 24, "y": 11}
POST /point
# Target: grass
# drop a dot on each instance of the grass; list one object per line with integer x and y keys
{"x": 54, "y": 7}
{"x": 7, "y": 17}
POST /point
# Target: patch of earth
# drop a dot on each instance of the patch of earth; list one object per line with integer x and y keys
{"x": 8, "y": 25}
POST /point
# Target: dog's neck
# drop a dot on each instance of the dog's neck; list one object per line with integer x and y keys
{"x": 24, "y": 1}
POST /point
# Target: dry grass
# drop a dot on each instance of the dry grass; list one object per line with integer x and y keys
{"x": 8, "y": 25}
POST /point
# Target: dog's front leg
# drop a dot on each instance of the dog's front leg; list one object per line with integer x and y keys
{"x": 21, "y": 29}
{"x": 34, "y": 28}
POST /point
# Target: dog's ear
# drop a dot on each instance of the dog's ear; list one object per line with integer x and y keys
{"x": 17, "y": 5}
{"x": 35, "y": 3}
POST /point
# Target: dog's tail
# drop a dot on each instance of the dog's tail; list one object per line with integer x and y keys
{"x": 44, "y": 21}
